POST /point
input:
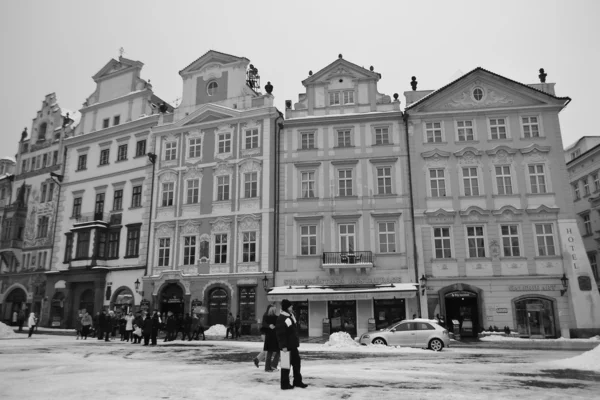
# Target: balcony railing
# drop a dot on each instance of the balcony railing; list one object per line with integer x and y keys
{"x": 350, "y": 258}
{"x": 93, "y": 216}
{"x": 11, "y": 244}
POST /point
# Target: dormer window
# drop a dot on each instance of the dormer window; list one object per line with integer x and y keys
{"x": 345, "y": 96}
{"x": 211, "y": 88}
{"x": 575, "y": 154}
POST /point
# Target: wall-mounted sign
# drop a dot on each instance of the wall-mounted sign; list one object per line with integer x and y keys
{"x": 532, "y": 288}
{"x": 502, "y": 310}
{"x": 461, "y": 293}
{"x": 343, "y": 281}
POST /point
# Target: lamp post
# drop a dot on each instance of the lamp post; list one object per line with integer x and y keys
{"x": 423, "y": 284}
{"x": 565, "y": 283}
{"x": 137, "y": 287}
{"x": 152, "y": 158}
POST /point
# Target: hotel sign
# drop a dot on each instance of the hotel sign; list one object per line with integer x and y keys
{"x": 532, "y": 288}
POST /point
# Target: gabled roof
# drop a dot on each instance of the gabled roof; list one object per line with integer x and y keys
{"x": 211, "y": 56}
{"x": 485, "y": 71}
{"x": 122, "y": 64}
{"x": 208, "y": 112}
{"x": 338, "y": 67}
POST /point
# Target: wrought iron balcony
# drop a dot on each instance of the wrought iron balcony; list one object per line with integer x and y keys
{"x": 345, "y": 257}
{"x": 93, "y": 216}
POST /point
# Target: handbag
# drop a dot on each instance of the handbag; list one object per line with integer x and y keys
{"x": 137, "y": 332}
{"x": 285, "y": 360}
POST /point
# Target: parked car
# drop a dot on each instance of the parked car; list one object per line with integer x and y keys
{"x": 419, "y": 332}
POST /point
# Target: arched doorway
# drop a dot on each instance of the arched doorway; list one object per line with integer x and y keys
{"x": 535, "y": 316}
{"x": 122, "y": 301}
{"x": 463, "y": 302}
{"x": 172, "y": 299}
{"x": 15, "y": 302}
{"x": 57, "y": 310}
{"x": 86, "y": 301}
{"x": 218, "y": 306}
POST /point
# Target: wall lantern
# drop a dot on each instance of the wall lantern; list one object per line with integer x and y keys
{"x": 137, "y": 287}
{"x": 423, "y": 284}
{"x": 565, "y": 282}
{"x": 265, "y": 282}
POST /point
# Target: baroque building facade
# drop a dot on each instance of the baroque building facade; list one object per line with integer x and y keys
{"x": 213, "y": 206}
{"x": 499, "y": 242}
{"x": 345, "y": 249}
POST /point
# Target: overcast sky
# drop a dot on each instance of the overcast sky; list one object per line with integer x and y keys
{"x": 57, "y": 46}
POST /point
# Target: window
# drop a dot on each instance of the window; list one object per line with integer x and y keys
{"x": 537, "y": 178}
{"x": 195, "y": 150}
{"x": 50, "y": 196}
{"x": 77, "y": 207}
{"x": 118, "y": 200}
{"x": 164, "y": 251}
{"x": 596, "y": 182}
{"x": 478, "y": 94}
{"x": 105, "y": 123}
{"x": 249, "y": 247}
{"x": 334, "y": 98}
{"x": 81, "y": 162}
{"x": 170, "y": 151}
{"x": 465, "y": 130}
{"x": 586, "y": 187}
{"x": 441, "y": 242}
{"x": 122, "y": 152}
{"x": 99, "y": 208}
{"x": 38, "y": 162}
{"x": 252, "y": 139}
{"x": 470, "y": 181}
{"x": 193, "y": 191}
{"x": 189, "y": 250}
{"x": 101, "y": 244}
{"x": 168, "y": 189}
{"x": 133, "y": 241}
{"x": 250, "y": 184}
{"x": 308, "y": 240}
{"x": 113, "y": 244}
{"x": 2, "y": 193}
{"x": 531, "y": 127}
{"x": 347, "y": 238}
{"x": 308, "y": 140}
{"x": 384, "y": 180}
{"x": 344, "y": 138}
{"x": 594, "y": 265}
{"x": 347, "y": 96}
{"x": 545, "y": 239}
{"x": 387, "y": 237}
{"x": 136, "y": 197}
{"x": 223, "y": 188}
{"x": 44, "y": 160}
{"x": 476, "y": 241}
{"x": 575, "y": 154}
{"x": 307, "y": 179}
{"x": 503, "y": 179}
{"x": 55, "y": 157}
{"x": 116, "y": 120}
{"x": 43, "y": 193}
{"x": 83, "y": 244}
{"x": 576, "y": 192}
{"x": 433, "y": 131}
{"x": 498, "y": 128}
{"x": 587, "y": 223}
{"x": 510, "y": 240}
{"x": 345, "y": 182}
{"x": 24, "y": 166}
{"x": 211, "y": 88}
{"x": 437, "y": 183}
{"x": 68, "y": 247}
{"x": 42, "y": 227}
{"x": 224, "y": 143}
{"x": 140, "y": 148}
{"x": 382, "y": 136}
{"x": 104, "y": 156}
{"x": 221, "y": 248}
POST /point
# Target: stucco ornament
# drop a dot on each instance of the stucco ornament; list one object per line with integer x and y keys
{"x": 164, "y": 230}
{"x": 250, "y": 165}
{"x": 250, "y": 223}
{"x": 193, "y": 173}
{"x": 495, "y": 248}
{"x": 468, "y": 159}
{"x": 221, "y": 225}
{"x": 190, "y": 228}
{"x": 465, "y": 99}
{"x": 223, "y": 168}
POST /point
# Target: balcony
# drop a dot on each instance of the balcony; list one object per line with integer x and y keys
{"x": 90, "y": 220}
{"x": 11, "y": 244}
{"x": 359, "y": 260}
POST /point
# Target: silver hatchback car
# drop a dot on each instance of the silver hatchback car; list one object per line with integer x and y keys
{"x": 424, "y": 333}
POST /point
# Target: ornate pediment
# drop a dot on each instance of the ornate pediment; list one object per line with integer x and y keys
{"x": 475, "y": 210}
{"x": 507, "y": 212}
{"x": 250, "y": 165}
{"x": 221, "y": 224}
{"x": 250, "y": 222}
{"x": 114, "y": 66}
{"x": 542, "y": 210}
{"x": 223, "y": 168}
{"x": 340, "y": 68}
{"x": 212, "y": 60}
{"x": 501, "y": 154}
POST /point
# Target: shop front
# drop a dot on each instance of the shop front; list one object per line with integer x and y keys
{"x": 14, "y": 302}
{"x": 535, "y": 316}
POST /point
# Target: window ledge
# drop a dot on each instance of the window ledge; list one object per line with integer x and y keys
{"x": 344, "y": 147}
{"x": 103, "y": 165}
{"x": 506, "y": 195}
{"x": 139, "y": 156}
{"x": 510, "y": 258}
{"x": 353, "y": 197}
{"x": 534, "y": 138}
{"x": 382, "y": 144}
{"x": 134, "y": 256}
{"x": 444, "y": 259}
{"x": 309, "y": 149}
{"x": 480, "y": 196}
{"x": 124, "y": 159}
{"x": 467, "y": 141}
{"x": 554, "y": 257}
{"x": 307, "y": 198}
{"x": 507, "y": 139}
{"x": 137, "y": 207}
{"x": 386, "y": 195}
{"x": 540, "y": 194}
{"x": 117, "y": 210}
{"x": 188, "y": 205}
{"x": 434, "y": 143}
{"x": 478, "y": 259}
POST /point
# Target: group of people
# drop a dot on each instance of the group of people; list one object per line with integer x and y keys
{"x": 19, "y": 319}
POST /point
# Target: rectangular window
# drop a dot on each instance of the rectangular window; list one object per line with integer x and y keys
{"x": 344, "y": 138}
{"x": 441, "y": 241}
{"x": 510, "y": 240}
{"x": 118, "y": 200}
{"x": 133, "y": 241}
{"x": 465, "y": 130}
{"x": 164, "y": 252}
{"x": 344, "y": 182}
{"x": 104, "y": 156}
{"x": 250, "y": 184}
{"x": 195, "y": 149}
{"x": 308, "y": 140}
{"x": 116, "y": 120}
{"x": 437, "y": 183}
{"x": 193, "y": 191}
{"x": 347, "y": 238}
{"x": 83, "y": 244}
{"x": 170, "y": 151}
{"x": 498, "y": 128}
{"x": 168, "y": 190}
{"x": 136, "y": 198}
{"x": 537, "y": 178}
{"x": 44, "y": 160}
{"x": 223, "y": 188}
{"x": 113, "y": 244}
{"x": 594, "y": 265}
{"x": 140, "y": 148}
{"x": 24, "y": 166}
{"x": 575, "y": 154}
{"x": 586, "y": 187}
{"x": 308, "y": 240}
{"x": 503, "y": 179}
{"x": 545, "y": 239}
{"x": 382, "y": 136}
{"x": 77, "y": 207}
{"x": 221, "y": 248}
{"x": 42, "y": 227}
{"x": 249, "y": 247}
{"x": 471, "y": 181}
{"x": 476, "y": 241}
{"x": 247, "y": 308}
{"x": 105, "y": 123}
{"x": 587, "y": 224}
{"x": 307, "y": 180}
{"x": 122, "y": 152}
{"x": 99, "y": 206}
{"x": 531, "y": 127}
{"x": 576, "y": 192}
{"x": 50, "y": 196}
{"x": 189, "y": 250}
{"x": 101, "y": 244}
{"x": 433, "y": 131}
{"x": 68, "y": 247}
{"x": 334, "y": 98}
{"x": 82, "y": 162}
{"x": 387, "y": 237}
{"x": 55, "y": 158}
{"x": 43, "y": 193}
{"x": 224, "y": 143}
{"x": 596, "y": 182}
{"x": 348, "y": 97}
{"x": 252, "y": 139}
{"x": 384, "y": 180}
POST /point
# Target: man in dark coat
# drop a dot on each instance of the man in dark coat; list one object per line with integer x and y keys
{"x": 155, "y": 327}
{"x": 187, "y": 327}
{"x": 147, "y": 328}
{"x": 98, "y": 326}
{"x": 106, "y": 324}
{"x": 171, "y": 327}
{"x": 21, "y": 320}
{"x": 287, "y": 336}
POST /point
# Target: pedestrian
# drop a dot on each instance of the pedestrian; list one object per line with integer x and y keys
{"x": 238, "y": 324}
{"x": 129, "y": 326}
{"x": 21, "y": 320}
{"x": 187, "y": 327}
{"x": 106, "y": 325}
{"x": 15, "y": 318}
{"x": 271, "y": 345}
{"x": 123, "y": 326}
{"x": 78, "y": 325}
{"x": 287, "y": 336}
{"x": 263, "y": 354}
{"x": 155, "y": 326}
{"x": 230, "y": 326}
{"x": 171, "y": 327}
{"x": 97, "y": 325}
{"x": 32, "y": 322}
{"x": 138, "y": 323}
{"x": 86, "y": 324}
{"x": 148, "y": 329}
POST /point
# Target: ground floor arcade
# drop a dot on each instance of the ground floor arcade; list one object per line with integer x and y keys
{"x": 22, "y": 292}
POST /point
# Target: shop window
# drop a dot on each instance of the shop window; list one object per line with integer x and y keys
{"x": 535, "y": 317}
{"x": 388, "y": 312}
{"x": 247, "y": 304}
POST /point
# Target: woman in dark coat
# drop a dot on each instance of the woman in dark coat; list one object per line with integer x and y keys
{"x": 271, "y": 345}
{"x": 147, "y": 328}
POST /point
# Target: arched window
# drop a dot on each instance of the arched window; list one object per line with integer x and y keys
{"x": 42, "y": 131}
{"x": 211, "y": 88}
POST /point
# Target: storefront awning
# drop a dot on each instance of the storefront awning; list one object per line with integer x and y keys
{"x": 343, "y": 292}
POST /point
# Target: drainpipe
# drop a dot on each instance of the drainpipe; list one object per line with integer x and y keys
{"x": 152, "y": 158}
{"x": 278, "y": 127}
{"x": 405, "y": 117}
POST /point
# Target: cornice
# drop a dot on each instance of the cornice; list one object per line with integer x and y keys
{"x": 107, "y": 103}
{"x": 321, "y": 120}
{"x": 113, "y": 132}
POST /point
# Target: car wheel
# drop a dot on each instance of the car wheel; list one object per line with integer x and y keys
{"x": 379, "y": 341}
{"x": 436, "y": 345}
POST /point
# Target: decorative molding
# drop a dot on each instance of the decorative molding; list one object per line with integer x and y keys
{"x": 165, "y": 230}
{"x": 507, "y": 210}
{"x": 194, "y": 172}
{"x": 250, "y": 165}
{"x": 542, "y": 210}
{"x": 190, "y": 228}
{"x": 313, "y": 164}
{"x": 223, "y": 168}
{"x": 250, "y": 222}
{"x": 475, "y": 210}
{"x": 383, "y": 160}
{"x": 490, "y": 98}
{"x": 344, "y": 162}
{"x": 249, "y": 204}
{"x": 221, "y": 225}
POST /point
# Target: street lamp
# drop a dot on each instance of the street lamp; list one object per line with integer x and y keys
{"x": 265, "y": 282}
{"x": 565, "y": 282}
{"x": 423, "y": 284}
{"x": 137, "y": 287}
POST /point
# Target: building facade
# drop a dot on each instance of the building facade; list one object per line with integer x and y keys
{"x": 499, "y": 243}
{"x": 213, "y": 207}
{"x": 345, "y": 249}
{"x": 102, "y": 221}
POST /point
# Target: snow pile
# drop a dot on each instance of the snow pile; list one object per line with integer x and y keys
{"x": 590, "y": 361}
{"x": 341, "y": 340}
{"x": 216, "y": 330}
{"x": 6, "y": 331}
{"x": 496, "y": 338}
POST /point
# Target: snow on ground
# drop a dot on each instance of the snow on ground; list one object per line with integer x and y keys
{"x": 216, "y": 330}
{"x": 6, "y": 332}
{"x": 589, "y": 361}
{"x": 497, "y": 338}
